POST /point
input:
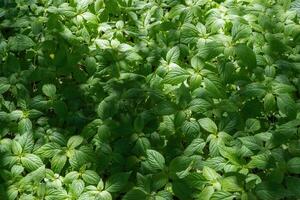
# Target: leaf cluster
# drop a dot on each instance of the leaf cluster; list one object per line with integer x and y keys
{"x": 154, "y": 100}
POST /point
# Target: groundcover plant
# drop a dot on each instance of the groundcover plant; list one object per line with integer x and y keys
{"x": 150, "y": 99}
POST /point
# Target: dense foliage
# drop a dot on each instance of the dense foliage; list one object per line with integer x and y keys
{"x": 150, "y": 99}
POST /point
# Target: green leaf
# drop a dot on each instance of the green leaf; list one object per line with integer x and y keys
{"x": 100, "y": 185}
{"x": 189, "y": 33}
{"x": 159, "y": 180}
{"x": 20, "y": 43}
{"x": 181, "y": 190}
{"x": 216, "y": 24}
{"x": 91, "y": 65}
{"x": 286, "y": 105}
{"x": 91, "y": 128}
{"x": 12, "y": 193}
{"x": 77, "y": 187}
{"x": 196, "y": 146}
{"x": 49, "y": 90}
{"x": 261, "y": 161}
{"x": 90, "y": 18}
{"x": 74, "y": 141}
{"x": 210, "y": 50}
{"x": 295, "y": 5}
{"x": 252, "y": 142}
{"x": 58, "y": 162}
{"x": 25, "y": 125}
{"x": 208, "y": 125}
{"x": 199, "y": 105}
{"x": 17, "y": 169}
{"x": 252, "y": 125}
{"x": 293, "y": 165}
{"x": 57, "y": 194}
{"x": 222, "y": 195}
{"x": 79, "y": 157}
{"x": 31, "y": 162}
{"x": 212, "y": 89}
{"x": 91, "y": 177}
{"x": 70, "y": 177}
{"x": 231, "y": 184}
{"x": 175, "y": 75}
{"x": 269, "y": 102}
{"x": 173, "y": 55}
{"x": 190, "y": 128}
{"x": 4, "y": 88}
{"x": 36, "y": 27}
{"x": 87, "y": 195}
{"x": 178, "y": 166}
{"x": 16, "y": 114}
{"x": 254, "y": 90}
{"x": 195, "y": 180}
{"x": 232, "y": 154}
{"x": 107, "y": 107}
{"x": 210, "y": 174}
{"x": 214, "y": 146}
{"x": 102, "y": 44}
{"x": 196, "y": 62}
{"x": 165, "y": 108}
{"x": 48, "y": 150}
{"x": 280, "y": 88}
{"x": 16, "y": 148}
{"x": 27, "y": 142}
{"x": 10, "y": 160}
{"x": 163, "y": 195}
{"x": 83, "y": 4}
{"x": 104, "y": 195}
{"x": 216, "y": 163}
{"x": 37, "y": 175}
{"x": 141, "y": 145}
{"x": 246, "y": 55}
{"x": 206, "y": 193}
{"x": 33, "y": 113}
{"x": 270, "y": 191}
{"x": 135, "y": 193}
{"x": 138, "y": 123}
{"x": 117, "y": 182}
{"x": 293, "y": 185}
{"x": 155, "y": 161}
{"x": 240, "y": 31}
